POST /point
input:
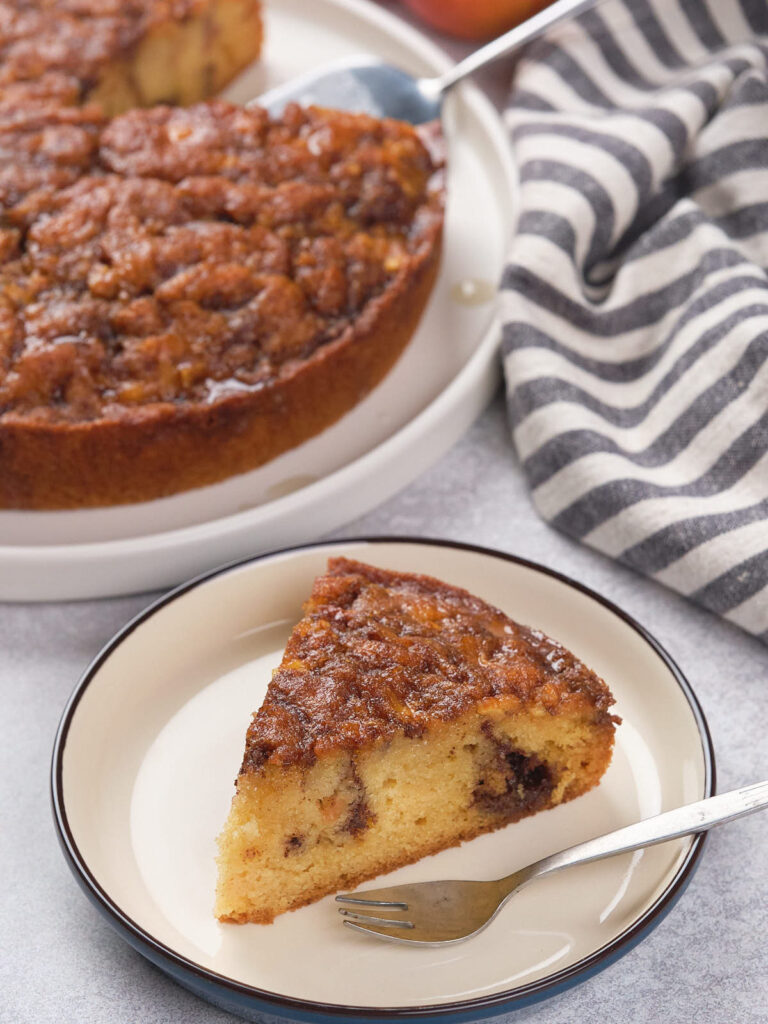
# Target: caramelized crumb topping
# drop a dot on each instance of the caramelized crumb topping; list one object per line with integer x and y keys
{"x": 175, "y": 255}
{"x": 379, "y": 653}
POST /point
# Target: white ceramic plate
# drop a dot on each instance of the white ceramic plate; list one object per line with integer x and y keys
{"x": 438, "y": 387}
{"x": 153, "y": 737}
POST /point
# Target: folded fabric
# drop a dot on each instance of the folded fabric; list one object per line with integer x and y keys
{"x": 635, "y": 299}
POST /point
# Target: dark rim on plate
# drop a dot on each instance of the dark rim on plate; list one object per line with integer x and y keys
{"x": 482, "y": 1006}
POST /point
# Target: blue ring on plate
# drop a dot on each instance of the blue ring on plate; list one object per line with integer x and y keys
{"x": 253, "y": 1003}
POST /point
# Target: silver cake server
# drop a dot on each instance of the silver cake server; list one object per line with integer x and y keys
{"x": 370, "y": 85}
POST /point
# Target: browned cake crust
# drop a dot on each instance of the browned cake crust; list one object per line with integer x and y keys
{"x": 380, "y": 653}
{"x": 184, "y": 294}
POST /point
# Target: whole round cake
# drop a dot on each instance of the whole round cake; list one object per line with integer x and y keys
{"x": 186, "y": 292}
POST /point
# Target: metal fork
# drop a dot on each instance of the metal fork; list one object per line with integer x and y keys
{"x": 438, "y": 913}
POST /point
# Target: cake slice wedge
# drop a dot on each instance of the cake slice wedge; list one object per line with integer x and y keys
{"x": 406, "y": 717}
{"x": 122, "y": 54}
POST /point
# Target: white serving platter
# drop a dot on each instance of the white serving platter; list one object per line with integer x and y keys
{"x": 439, "y": 386}
{"x": 153, "y": 737}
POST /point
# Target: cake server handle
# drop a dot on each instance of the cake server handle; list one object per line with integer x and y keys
{"x": 683, "y": 821}
{"x": 515, "y": 39}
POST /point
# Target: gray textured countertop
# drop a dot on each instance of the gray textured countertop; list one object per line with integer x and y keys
{"x": 706, "y": 962}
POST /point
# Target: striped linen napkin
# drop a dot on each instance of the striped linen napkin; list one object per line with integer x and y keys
{"x": 635, "y": 299}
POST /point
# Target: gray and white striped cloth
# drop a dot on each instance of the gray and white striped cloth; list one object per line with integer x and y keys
{"x": 635, "y": 297}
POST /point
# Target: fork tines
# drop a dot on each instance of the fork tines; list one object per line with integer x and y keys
{"x": 369, "y": 919}
{"x": 362, "y": 902}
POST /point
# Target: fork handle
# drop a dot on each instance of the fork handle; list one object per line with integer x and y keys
{"x": 684, "y": 821}
{"x": 516, "y": 38}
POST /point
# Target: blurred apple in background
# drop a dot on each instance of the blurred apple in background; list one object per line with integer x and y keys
{"x": 474, "y": 19}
